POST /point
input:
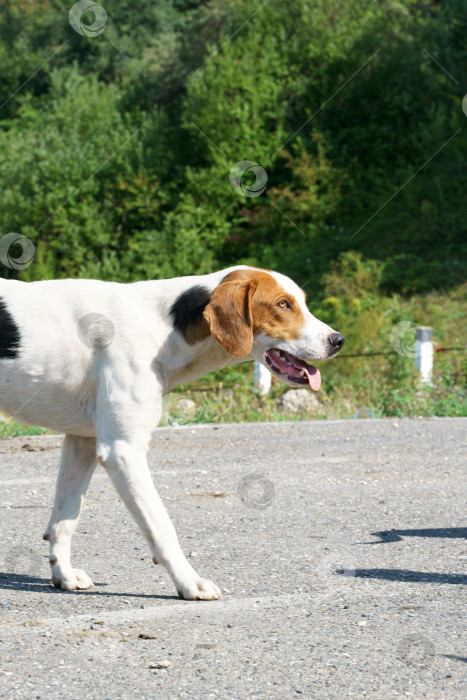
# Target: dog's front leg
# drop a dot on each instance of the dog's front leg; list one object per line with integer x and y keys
{"x": 77, "y": 464}
{"x": 128, "y": 468}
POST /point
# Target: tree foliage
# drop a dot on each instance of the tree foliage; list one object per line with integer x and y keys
{"x": 115, "y": 150}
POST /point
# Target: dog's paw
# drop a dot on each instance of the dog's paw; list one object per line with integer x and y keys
{"x": 76, "y": 580}
{"x": 200, "y": 589}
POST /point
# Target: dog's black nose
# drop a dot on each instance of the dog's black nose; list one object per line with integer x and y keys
{"x": 337, "y": 340}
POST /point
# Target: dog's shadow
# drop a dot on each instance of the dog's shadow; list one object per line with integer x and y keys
{"x": 35, "y": 584}
{"x": 406, "y": 575}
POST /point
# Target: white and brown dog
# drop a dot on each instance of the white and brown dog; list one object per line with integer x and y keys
{"x": 95, "y": 359}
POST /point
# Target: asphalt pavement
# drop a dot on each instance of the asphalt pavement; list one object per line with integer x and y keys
{"x": 339, "y": 546}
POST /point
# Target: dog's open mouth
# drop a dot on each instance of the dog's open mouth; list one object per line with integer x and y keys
{"x": 285, "y": 364}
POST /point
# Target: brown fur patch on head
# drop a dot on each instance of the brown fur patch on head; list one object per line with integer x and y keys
{"x": 245, "y": 304}
{"x": 229, "y": 315}
{"x": 197, "y": 331}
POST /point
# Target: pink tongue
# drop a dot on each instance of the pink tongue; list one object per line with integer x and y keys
{"x": 313, "y": 376}
{"x": 312, "y": 373}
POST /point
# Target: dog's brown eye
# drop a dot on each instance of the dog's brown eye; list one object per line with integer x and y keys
{"x": 283, "y": 304}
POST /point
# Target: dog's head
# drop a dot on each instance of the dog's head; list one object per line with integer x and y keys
{"x": 262, "y": 315}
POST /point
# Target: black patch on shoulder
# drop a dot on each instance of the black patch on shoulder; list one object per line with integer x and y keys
{"x": 10, "y": 338}
{"x": 188, "y": 307}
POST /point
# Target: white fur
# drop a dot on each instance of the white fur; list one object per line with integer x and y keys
{"x": 109, "y": 399}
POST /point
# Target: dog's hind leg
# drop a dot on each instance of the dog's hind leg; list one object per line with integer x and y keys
{"x": 77, "y": 464}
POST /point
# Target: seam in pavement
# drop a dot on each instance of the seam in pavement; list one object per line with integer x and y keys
{"x": 182, "y": 609}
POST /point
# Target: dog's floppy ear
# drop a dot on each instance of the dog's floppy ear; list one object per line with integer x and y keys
{"x": 230, "y": 318}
